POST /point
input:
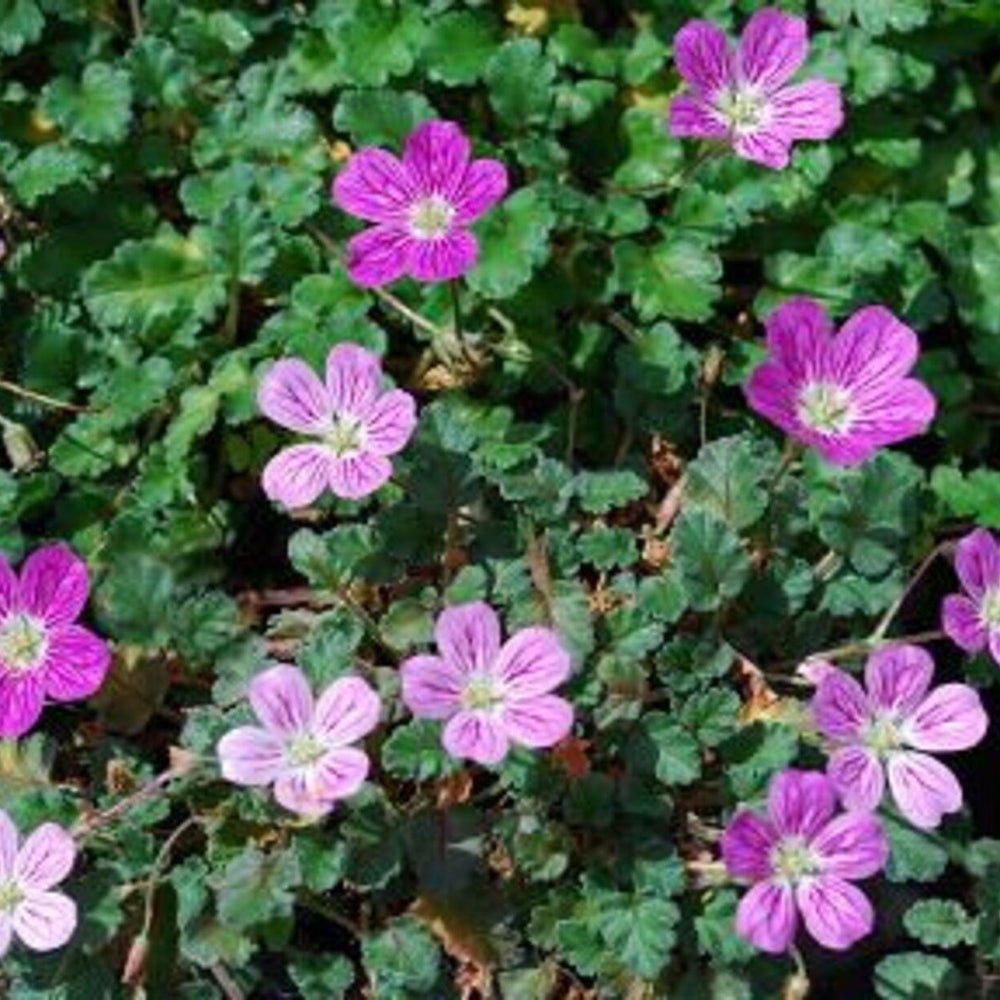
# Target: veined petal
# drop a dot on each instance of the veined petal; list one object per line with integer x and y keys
{"x": 961, "y": 620}
{"x": 747, "y": 845}
{"x": 701, "y": 52}
{"x": 770, "y": 146}
{"x": 767, "y": 918}
{"x": 840, "y": 706}
{"x": 950, "y": 718}
{"x": 54, "y": 584}
{"x": 298, "y": 475}
{"x": 8, "y": 844}
{"x": 432, "y": 686}
{"x": 477, "y": 736}
{"x": 810, "y": 110}
{"x": 250, "y": 755}
{"x": 46, "y": 857}
{"x": 390, "y": 421}
{"x": 76, "y": 663}
{"x": 852, "y": 846}
{"x": 295, "y": 792}
{"x": 468, "y": 636}
{"x": 21, "y": 700}
{"x": 532, "y": 662}
{"x": 435, "y": 158}
{"x": 772, "y": 47}
{"x": 281, "y": 699}
{"x": 442, "y": 259}
{"x": 691, "y": 117}
{"x": 836, "y": 913}
{"x": 378, "y": 255}
{"x": 292, "y": 395}
{"x": 858, "y": 777}
{"x": 45, "y": 921}
{"x": 483, "y": 184}
{"x": 798, "y": 336}
{"x": 898, "y": 677}
{"x": 924, "y": 789}
{"x": 353, "y": 379}
{"x": 10, "y": 590}
{"x": 359, "y": 476}
{"x": 873, "y": 348}
{"x": 347, "y": 711}
{"x": 977, "y": 562}
{"x": 340, "y": 773}
{"x": 538, "y": 721}
{"x": 800, "y": 802}
{"x": 374, "y": 186}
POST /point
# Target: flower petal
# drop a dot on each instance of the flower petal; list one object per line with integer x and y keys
{"x": 359, "y": 476}
{"x": 800, "y": 802}
{"x": 389, "y": 422}
{"x": 960, "y": 619}
{"x": 45, "y": 858}
{"x": 889, "y": 414}
{"x": 250, "y": 755}
{"x": 839, "y": 706}
{"x": 378, "y": 255}
{"x": 540, "y": 721}
{"x": 532, "y": 662}
{"x": 373, "y": 186}
{"x": 798, "y": 336}
{"x": 435, "y": 158}
{"x": 8, "y": 844}
{"x": 353, "y": 379}
{"x": 811, "y": 110}
{"x": 766, "y": 917}
{"x": 346, "y": 711}
{"x": 432, "y": 687}
{"x": 950, "y": 718}
{"x": 54, "y": 584}
{"x": 10, "y": 590}
{"x": 771, "y": 393}
{"x": 747, "y": 845}
{"x": 45, "y": 920}
{"x": 770, "y": 146}
{"x": 292, "y": 395}
{"x": 297, "y": 475}
{"x": 897, "y": 677}
{"x": 295, "y": 792}
{"x": 442, "y": 259}
{"x": 873, "y": 348}
{"x": 977, "y": 562}
{"x": 923, "y": 788}
{"x": 483, "y": 185}
{"x": 468, "y": 636}
{"x": 852, "y": 846}
{"x": 691, "y": 117}
{"x": 340, "y": 773}
{"x": 772, "y": 47}
{"x": 701, "y": 52}
{"x": 477, "y": 736}
{"x": 21, "y": 699}
{"x": 6, "y": 933}
{"x": 76, "y": 663}
{"x": 281, "y": 699}
{"x": 836, "y": 913}
{"x": 858, "y": 777}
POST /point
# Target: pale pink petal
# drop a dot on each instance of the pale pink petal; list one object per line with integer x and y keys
{"x": 346, "y": 711}
{"x": 432, "y": 687}
{"x": 836, "y": 913}
{"x": 294, "y": 791}
{"x": 814, "y": 670}
{"x": 540, "y": 721}
{"x": 852, "y": 846}
{"x": 858, "y": 777}
{"x": 810, "y": 110}
{"x": 281, "y": 700}
{"x": 799, "y": 332}
{"x": 872, "y": 349}
{"x": 747, "y": 845}
{"x": 389, "y": 422}
{"x": 772, "y": 47}
{"x": 340, "y": 773}
{"x": 898, "y": 677}
{"x": 435, "y": 158}
{"x": 767, "y": 918}
{"x": 923, "y": 788}
{"x": 477, "y": 736}
{"x": 994, "y": 644}
{"x": 8, "y": 844}
{"x": 378, "y": 255}
{"x": 483, "y": 185}
{"x": 468, "y": 636}
{"x": 9, "y": 588}
{"x": 54, "y": 584}
{"x": 45, "y": 920}
{"x": 46, "y": 857}
{"x": 977, "y": 562}
{"x": 21, "y": 699}
{"x": 76, "y": 663}
{"x": 961, "y": 620}
{"x": 800, "y": 802}
{"x": 769, "y": 146}
{"x": 950, "y": 718}
{"x": 6, "y": 933}
{"x": 701, "y": 52}
{"x": 353, "y": 379}
{"x": 442, "y": 259}
{"x": 691, "y": 117}
{"x": 250, "y": 755}
{"x": 839, "y": 706}
{"x": 359, "y": 476}
{"x": 298, "y": 475}
{"x": 292, "y": 395}
{"x": 373, "y": 186}
{"x": 532, "y": 662}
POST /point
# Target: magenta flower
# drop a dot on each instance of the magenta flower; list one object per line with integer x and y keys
{"x": 356, "y": 426}
{"x": 422, "y": 206}
{"x": 801, "y": 859}
{"x": 301, "y": 748}
{"x": 41, "y": 919}
{"x": 888, "y": 729}
{"x": 845, "y": 394}
{"x": 743, "y": 98}
{"x": 491, "y": 695}
{"x": 972, "y": 619}
{"x": 43, "y": 652}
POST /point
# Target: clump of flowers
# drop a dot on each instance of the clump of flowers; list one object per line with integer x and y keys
{"x": 972, "y": 618}
{"x": 43, "y": 652}
{"x": 890, "y": 727}
{"x": 801, "y": 859}
{"x": 30, "y": 911}
{"x": 355, "y": 426}
{"x": 743, "y": 97}
{"x": 422, "y": 206}
{"x": 844, "y": 393}
{"x": 301, "y": 747}
{"x": 491, "y": 695}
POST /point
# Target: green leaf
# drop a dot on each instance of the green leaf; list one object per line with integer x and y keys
{"x": 916, "y": 856}
{"x": 381, "y": 117}
{"x": 602, "y": 492}
{"x": 877, "y": 18}
{"x": 710, "y": 557}
{"x": 914, "y": 975}
{"x": 21, "y": 23}
{"x": 402, "y": 960}
{"x": 728, "y": 477}
{"x": 940, "y": 923}
{"x": 242, "y": 239}
{"x": 459, "y": 44}
{"x": 49, "y": 168}
{"x": 667, "y": 748}
{"x": 257, "y": 887}
{"x": 321, "y": 976}
{"x": 641, "y": 934}
{"x": 520, "y": 78}
{"x": 413, "y": 752}
{"x": 975, "y": 496}
{"x": 94, "y": 110}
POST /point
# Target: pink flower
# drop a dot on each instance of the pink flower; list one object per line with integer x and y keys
{"x": 972, "y": 619}
{"x": 491, "y": 695}
{"x": 43, "y": 652}
{"x": 887, "y": 729}
{"x": 801, "y": 859}
{"x": 845, "y": 394}
{"x": 41, "y": 919}
{"x": 301, "y": 748}
{"x": 356, "y": 426}
{"x": 743, "y": 98}
{"x": 422, "y": 206}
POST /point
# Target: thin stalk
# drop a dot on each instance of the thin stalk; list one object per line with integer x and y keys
{"x": 38, "y": 397}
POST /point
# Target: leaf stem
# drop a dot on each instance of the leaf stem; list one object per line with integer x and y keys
{"x": 38, "y": 397}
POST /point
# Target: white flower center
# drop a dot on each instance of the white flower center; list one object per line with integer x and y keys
{"x": 742, "y": 108}
{"x": 482, "y": 693}
{"x": 882, "y": 735}
{"x": 989, "y": 608}
{"x": 304, "y": 750}
{"x": 346, "y": 437}
{"x": 24, "y": 642}
{"x": 430, "y": 218}
{"x": 10, "y": 896}
{"x": 826, "y": 408}
{"x": 793, "y": 859}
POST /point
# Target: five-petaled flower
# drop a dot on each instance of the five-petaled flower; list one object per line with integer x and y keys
{"x": 303, "y": 749}
{"x": 801, "y": 858}
{"x": 43, "y": 652}
{"x": 355, "y": 424}
{"x": 29, "y": 910}
{"x": 846, "y": 394}
{"x": 972, "y": 619}
{"x": 890, "y": 726}
{"x": 491, "y": 694}
{"x": 422, "y": 206}
{"x": 743, "y": 98}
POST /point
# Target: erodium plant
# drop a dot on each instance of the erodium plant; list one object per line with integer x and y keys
{"x": 483, "y": 493}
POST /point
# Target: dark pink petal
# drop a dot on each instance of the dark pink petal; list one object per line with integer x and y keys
{"x": 6, "y": 933}
{"x": 950, "y": 718}
{"x": 296, "y": 476}
{"x": 292, "y": 395}
{"x": 771, "y": 392}
{"x": 297, "y": 792}
{"x": 45, "y": 858}
{"x": 858, "y": 777}
{"x": 347, "y": 711}
{"x": 477, "y": 736}
{"x": 442, "y": 259}
{"x": 432, "y": 687}
{"x": 340, "y": 773}
{"x": 960, "y": 619}
{"x": 21, "y": 699}
{"x": 799, "y": 332}
{"x": 76, "y": 663}
{"x": 359, "y": 476}
{"x": 532, "y": 662}
{"x": 250, "y": 755}
{"x": 701, "y": 52}
{"x": 374, "y": 186}
{"x": 977, "y": 562}
{"x": 839, "y": 706}
{"x": 483, "y": 185}
{"x": 281, "y": 700}
{"x": 766, "y": 917}
{"x": 8, "y": 845}
{"x": 389, "y": 422}
{"x": 923, "y": 788}
{"x": 540, "y": 721}
{"x": 378, "y": 255}
{"x": 691, "y": 117}
{"x": 9, "y": 588}
{"x": 772, "y": 47}
{"x": 468, "y": 636}
{"x": 54, "y": 584}
{"x": 873, "y": 349}
{"x": 810, "y": 110}
{"x": 353, "y": 379}
{"x": 770, "y": 146}
{"x": 887, "y": 414}
{"x": 800, "y": 802}
{"x": 852, "y": 846}
{"x": 898, "y": 677}
{"x": 45, "y": 921}
{"x": 836, "y": 913}
{"x": 848, "y": 450}
{"x": 747, "y": 845}
{"x": 435, "y": 158}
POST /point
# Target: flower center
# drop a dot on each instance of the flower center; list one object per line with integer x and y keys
{"x": 826, "y": 408}
{"x": 743, "y": 109}
{"x": 23, "y": 643}
{"x": 793, "y": 859}
{"x": 10, "y": 896}
{"x": 882, "y": 736}
{"x": 482, "y": 692}
{"x": 304, "y": 750}
{"x": 989, "y": 609}
{"x": 346, "y": 437}
{"x": 430, "y": 218}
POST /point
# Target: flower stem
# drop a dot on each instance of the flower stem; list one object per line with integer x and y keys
{"x": 456, "y": 306}
{"x": 37, "y": 397}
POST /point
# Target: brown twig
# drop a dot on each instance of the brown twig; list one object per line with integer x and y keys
{"x": 38, "y": 397}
